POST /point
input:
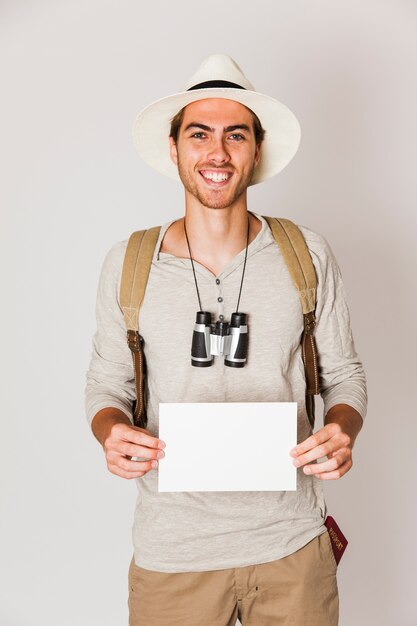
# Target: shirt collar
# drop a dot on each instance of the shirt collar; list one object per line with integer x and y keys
{"x": 262, "y": 239}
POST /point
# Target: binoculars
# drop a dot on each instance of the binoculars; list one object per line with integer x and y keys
{"x": 228, "y": 339}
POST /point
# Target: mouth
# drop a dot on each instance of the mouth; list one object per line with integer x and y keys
{"x": 216, "y": 178}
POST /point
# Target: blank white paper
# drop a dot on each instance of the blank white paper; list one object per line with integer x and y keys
{"x": 227, "y": 446}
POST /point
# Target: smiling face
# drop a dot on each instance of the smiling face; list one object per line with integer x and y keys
{"x": 216, "y": 151}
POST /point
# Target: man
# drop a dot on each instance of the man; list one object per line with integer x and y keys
{"x": 212, "y": 557}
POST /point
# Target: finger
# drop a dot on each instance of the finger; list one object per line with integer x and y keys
{"x": 324, "y": 434}
{"x": 131, "y": 450}
{"x": 334, "y": 475}
{"x": 134, "y": 466}
{"x": 143, "y": 439}
{"x": 131, "y": 466}
{"x": 114, "y": 469}
{"x": 336, "y": 460}
{"x": 139, "y": 437}
{"x": 318, "y": 438}
{"x": 314, "y": 454}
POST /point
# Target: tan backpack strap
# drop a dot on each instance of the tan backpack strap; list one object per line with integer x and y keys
{"x": 136, "y": 267}
{"x": 300, "y": 266}
{"x": 297, "y": 258}
{"x": 135, "y": 273}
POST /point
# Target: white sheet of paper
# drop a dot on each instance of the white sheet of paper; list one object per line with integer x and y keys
{"x": 227, "y": 446}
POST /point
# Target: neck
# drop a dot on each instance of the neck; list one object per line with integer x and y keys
{"x": 216, "y": 235}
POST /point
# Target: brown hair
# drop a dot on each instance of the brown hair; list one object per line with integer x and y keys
{"x": 176, "y": 122}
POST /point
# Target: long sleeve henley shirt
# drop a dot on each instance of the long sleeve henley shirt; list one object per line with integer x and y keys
{"x": 198, "y": 531}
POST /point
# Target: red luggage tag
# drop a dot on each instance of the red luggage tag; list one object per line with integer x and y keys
{"x": 337, "y": 538}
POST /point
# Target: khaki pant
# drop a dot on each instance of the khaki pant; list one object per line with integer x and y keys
{"x": 297, "y": 590}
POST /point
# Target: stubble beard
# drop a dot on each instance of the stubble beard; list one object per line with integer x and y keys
{"x": 215, "y": 199}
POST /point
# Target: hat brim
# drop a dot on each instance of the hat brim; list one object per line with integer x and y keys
{"x": 282, "y": 137}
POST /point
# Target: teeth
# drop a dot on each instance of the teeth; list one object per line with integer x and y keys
{"x": 217, "y": 177}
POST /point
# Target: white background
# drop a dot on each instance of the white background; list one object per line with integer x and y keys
{"x": 73, "y": 77}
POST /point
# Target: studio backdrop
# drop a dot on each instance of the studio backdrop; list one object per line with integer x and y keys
{"x": 73, "y": 77}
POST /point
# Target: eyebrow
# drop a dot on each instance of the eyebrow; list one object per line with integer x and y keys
{"x": 226, "y": 129}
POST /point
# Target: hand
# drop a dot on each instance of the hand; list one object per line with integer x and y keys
{"x": 330, "y": 441}
{"x": 126, "y": 441}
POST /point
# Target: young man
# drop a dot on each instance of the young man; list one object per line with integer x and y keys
{"x": 212, "y": 557}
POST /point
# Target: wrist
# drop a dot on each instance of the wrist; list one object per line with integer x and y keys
{"x": 104, "y": 420}
{"x": 348, "y": 418}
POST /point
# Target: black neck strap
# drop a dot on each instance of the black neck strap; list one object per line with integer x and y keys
{"x": 243, "y": 272}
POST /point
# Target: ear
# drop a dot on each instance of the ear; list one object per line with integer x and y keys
{"x": 257, "y": 153}
{"x": 173, "y": 151}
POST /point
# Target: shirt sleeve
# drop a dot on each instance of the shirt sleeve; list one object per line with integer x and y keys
{"x": 110, "y": 377}
{"x": 341, "y": 373}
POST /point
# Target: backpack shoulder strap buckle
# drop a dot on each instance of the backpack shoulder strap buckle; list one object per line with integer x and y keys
{"x": 309, "y": 322}
{"x": 134, "y": 340}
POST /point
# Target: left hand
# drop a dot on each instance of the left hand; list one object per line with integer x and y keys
{"x": 330, "y": 441}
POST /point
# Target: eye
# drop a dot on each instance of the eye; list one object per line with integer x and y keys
{"x": 237, "y": 137}
{"x": 198, "y": 135}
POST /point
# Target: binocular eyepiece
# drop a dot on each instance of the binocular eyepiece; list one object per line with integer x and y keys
{"x": 228, "y": 339}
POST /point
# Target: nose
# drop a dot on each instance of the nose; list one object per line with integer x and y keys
{"x": 217, "y": 152}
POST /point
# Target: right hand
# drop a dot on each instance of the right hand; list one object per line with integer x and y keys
{"x": 125, "y": 442}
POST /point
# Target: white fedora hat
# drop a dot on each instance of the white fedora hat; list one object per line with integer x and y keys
{"x": 219, "y": 76}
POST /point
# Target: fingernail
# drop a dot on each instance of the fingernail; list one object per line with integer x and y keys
{"x": 154, "y": 464}
{"x": 307, "y": 470}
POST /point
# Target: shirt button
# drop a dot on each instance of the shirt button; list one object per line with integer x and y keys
{"x": 221, "y": 317}
{"x": 219, "y": 299}
{"x": 217, "y": 281}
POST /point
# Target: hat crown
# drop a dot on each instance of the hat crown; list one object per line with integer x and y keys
{"x": 219, "y": 67}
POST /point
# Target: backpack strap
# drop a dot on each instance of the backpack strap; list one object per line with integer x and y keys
{"x": 135, "y": 273}
{"x": 300, "y": 266}
{"x": 136, "y": 268}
